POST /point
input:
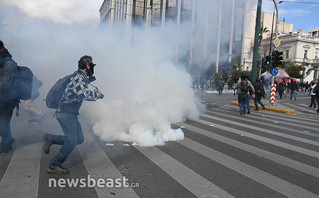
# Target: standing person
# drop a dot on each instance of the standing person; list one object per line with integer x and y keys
{"x": 281, "y": 88}
{"x": 8, "y": 97}
{"x": 220, "y": 86}
{"x": 312, "y": 94}
{"x": 316, "y": 91}
{"x": 243, "y": 87}
{"x": 67, "y": 114}
{"x": 259, "y": 93}
{"x": 36, "y": 115}
{"x": 293, "y": 89}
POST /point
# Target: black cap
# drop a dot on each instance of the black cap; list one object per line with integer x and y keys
{"x": 1, "y": 44}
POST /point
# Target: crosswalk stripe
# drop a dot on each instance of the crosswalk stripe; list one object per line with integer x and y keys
{"x": 276, "y": 125}
{"x": 99, "y": 165}
{"x": 302, "y": 120}
{"x": 281, "y": 118}
{"x": 262, "y": 129}
{"x": 267, "y": 140}
{"x": 257, "y": 151}
{"x": 21, "y": 178}
{"x": 194, "y": 182}
{"x": 275, "y": 183}
{"x": 302, "y": 108}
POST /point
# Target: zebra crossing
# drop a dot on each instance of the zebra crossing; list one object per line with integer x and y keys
{"x": 223, "y": 155}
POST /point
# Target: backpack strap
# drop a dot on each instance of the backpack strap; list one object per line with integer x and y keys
{"x": 71, "y": 75}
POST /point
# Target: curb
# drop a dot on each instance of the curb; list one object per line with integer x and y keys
{"x": 268, "y": 108}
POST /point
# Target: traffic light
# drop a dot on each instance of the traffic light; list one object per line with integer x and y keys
{"x": 276, "y": 58}
{"x": 267, "y": 61}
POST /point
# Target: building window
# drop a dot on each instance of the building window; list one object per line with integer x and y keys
{"x": 305, "y": 55}
{"x": 287, "y": 54}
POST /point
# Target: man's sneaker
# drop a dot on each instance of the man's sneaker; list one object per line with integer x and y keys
{"x": 46, "y": 144}
{"x": 58, "y": 170}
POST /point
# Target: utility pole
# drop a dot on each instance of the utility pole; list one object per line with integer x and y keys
{"x": 256, "y": 43}
{"x": 276, "y": 37}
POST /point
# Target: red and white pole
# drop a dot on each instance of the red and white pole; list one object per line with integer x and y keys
{"x": 273, "y": 94}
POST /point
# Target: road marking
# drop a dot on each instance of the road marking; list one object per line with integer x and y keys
{"x": 286, "y": 188}
{"x": 265, "y": 139}
{"x": 21, "y": 178}
{"x": 260, "y": 129}
{"x": 257, "y": 151}
{"x": 192, "y": 181}
{"x": 99, "y": 165}
{"x": 271, "y": 119}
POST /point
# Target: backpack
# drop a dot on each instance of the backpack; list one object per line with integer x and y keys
{"x": 244, "y": 85}
{"x": 56, "y": 92}
{"x": 23, "y": 82}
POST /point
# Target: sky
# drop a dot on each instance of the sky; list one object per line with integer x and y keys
{"x": 303, "y": 14}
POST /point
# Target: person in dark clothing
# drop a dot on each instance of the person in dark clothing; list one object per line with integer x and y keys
{"x": 67, "y": 114}
{"x": 8, "y": 97}
{"x": 316, "y": 91}
{"x": 312, "y": 94}
{"x": 259, "y": 93}
{"x": 293, "y": 89}
{"x": 244, "y": 87}
{"x": 281, "y": 88}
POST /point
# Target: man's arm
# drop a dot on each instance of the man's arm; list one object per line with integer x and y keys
{"x": 83, "y": 92}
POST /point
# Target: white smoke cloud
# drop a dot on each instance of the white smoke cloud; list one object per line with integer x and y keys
{"x": 58, "y": 11}
{"x": 145, "y": 90}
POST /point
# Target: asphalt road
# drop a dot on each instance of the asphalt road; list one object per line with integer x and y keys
{"x": 264, "y": 154}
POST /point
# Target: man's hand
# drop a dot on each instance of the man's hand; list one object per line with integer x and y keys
{"x": 101, "y": 96}
{"x": 253, "y": 95}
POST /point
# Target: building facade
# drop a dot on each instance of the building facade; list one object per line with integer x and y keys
{"x": 218, "y": 25}
{"x": 301, "y": 49}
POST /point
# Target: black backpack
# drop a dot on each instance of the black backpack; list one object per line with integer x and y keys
{"x": 56, "y": 92}
{"x": 23, "y": 82}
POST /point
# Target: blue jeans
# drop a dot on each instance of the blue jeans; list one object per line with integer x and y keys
{"x": 243, "y": 102}
{"x": 258, "y": 100}
{"x": 293, "y": 93}
{"x": 6, "y": 110}
{"x": 246, "y": 102}
{"x": 73, "y": 135}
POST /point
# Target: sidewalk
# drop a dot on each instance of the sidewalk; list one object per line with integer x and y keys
{"x": 276, "y": 107}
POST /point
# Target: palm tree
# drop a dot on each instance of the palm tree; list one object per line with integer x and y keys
{"x": 262, "y": 31}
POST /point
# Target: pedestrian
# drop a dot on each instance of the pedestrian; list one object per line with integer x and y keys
{"x": 221, "y": 84}
{"x": 293, "y": 89}
{"x": 312, "y": 94}
{"x": 244, "y": 87}
{"x": 35, "y": 114}
{"x": 259, "y": 93}
{"x": 8, "y": 97}
{"x": 281, "y": 88}
{"x": 316, "y": 91}
{"x": 67, "y": 114}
